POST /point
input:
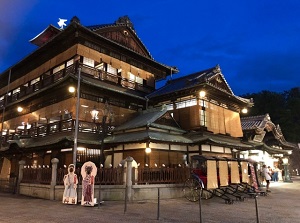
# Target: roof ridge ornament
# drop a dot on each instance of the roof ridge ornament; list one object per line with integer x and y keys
{"x": 61, "y": 23}
{"x": 124, "y": 20}
{"x": 75, "y": 19}
{"x": 217, "y": 69}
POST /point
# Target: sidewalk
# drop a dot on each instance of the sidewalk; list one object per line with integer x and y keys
{"x": 281, "y": 205}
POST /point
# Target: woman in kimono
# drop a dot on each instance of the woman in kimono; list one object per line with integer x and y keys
{"x": 88, "y": 172}
{"x": 70, "y": 182}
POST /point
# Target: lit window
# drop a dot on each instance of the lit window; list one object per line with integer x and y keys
{"x": 58, "y": 68}
{"x": 16, "y": 90}
{"x": 111, "y": 69}
{"x": 170, "y": 107}
{"x": 180, "y": 104}
{"x": 203, "y": 120}
{"x": 88, "y": 62}
{"x": 32, "y": 82}
{"x": 203, "y": 103}
{"x": 187, "y": 103}
{"x": 70, "y": 62}
{"x": 191, "y": 102}
{"x": 139, "y": 80}
{"x": 131, "y": 77}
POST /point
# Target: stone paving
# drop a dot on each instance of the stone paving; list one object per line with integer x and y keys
{"x": 281, "y": 205}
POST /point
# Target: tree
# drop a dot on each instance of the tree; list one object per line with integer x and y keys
{"x": 284, "y": 109}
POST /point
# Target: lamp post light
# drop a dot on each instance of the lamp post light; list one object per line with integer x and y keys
{"x": 20, "y": 109}
{"x": 76, "y": 118}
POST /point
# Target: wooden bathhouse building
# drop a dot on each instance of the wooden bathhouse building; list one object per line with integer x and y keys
{"x": 87, "y": 93}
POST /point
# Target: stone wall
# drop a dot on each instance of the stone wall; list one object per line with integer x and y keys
{"x": 108, "y": 192}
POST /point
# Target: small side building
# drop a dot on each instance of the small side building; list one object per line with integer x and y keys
{"x": 271, "y": 148}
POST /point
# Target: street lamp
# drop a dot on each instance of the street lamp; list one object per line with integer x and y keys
{"x": 202, "y": 94}
{"x": 19, "y": 109}
{"x": 148, "y": 149}
{"x": 244, "y": 110}
{"x": 72, "y": 90}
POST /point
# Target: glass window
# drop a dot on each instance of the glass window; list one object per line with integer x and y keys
{"x": 203, "y": 121}
{"x": 139, "y": 80}
{"x": 191, "y": 102}
{"x": 34, "y": 81}
{"x": 58, "y": 68}
{"x": 100, "y": 66}
{"x": 203, "y": 103}
{"x": 111, "y": 69}
{"x": 70, "y": 62}
{"x": 16, "y": 90}
{"x": 170, "y": 107}
{"x": 131, "y": 77}
{"x": 88, "y": 62}
{"x": 186, "y": 103}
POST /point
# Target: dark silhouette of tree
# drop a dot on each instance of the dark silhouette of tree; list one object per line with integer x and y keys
{"x": 284, "y": 109}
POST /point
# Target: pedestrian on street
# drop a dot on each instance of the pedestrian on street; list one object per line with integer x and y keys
{"x": 267, "y": 176}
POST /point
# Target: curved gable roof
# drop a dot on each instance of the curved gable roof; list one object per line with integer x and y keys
{"x": 260, "y": 123}
{"x": 212, "y": 77}
{"x": 122, "y": 32}
{"x": 46, "y": 35}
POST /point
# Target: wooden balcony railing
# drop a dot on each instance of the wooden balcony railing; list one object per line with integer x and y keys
{"x": 47, "y": 80}
{"x": 61, "y": 126}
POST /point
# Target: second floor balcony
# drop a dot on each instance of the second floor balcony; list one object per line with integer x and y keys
{"x": 46, "y": 80}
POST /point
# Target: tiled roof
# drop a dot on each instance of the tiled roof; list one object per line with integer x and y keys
{"x": 185, "y": 82}
{"x": 215, "y": 139}
{"x": 254, "y": 122}
{"x": 47, "y": 34}
{"x": 262, "y": 123}
{"x": 191, "y": 81}
{"x": 143, "y": 136}
{"x": 147, "y": 118}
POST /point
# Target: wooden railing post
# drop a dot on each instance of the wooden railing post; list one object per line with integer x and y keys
{"x": 54, "y": 162}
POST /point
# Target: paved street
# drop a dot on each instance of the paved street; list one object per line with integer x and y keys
{"x": 281, "y": 205}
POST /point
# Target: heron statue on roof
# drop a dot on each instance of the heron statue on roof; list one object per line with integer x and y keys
{"x": 61, "y": 23}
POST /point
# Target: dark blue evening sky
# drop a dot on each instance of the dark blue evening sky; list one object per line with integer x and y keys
{"x": 256, "y": 43}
